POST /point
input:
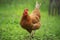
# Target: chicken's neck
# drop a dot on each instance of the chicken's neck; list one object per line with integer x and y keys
{"x": 26, "y": 17}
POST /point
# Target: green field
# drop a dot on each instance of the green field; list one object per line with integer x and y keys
{"x": 10, "y": 15}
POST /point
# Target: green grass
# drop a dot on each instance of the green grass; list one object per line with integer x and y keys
{"x": 10, "y": 29}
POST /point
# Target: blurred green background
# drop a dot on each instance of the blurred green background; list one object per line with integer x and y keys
{"x": 11, "y": 12}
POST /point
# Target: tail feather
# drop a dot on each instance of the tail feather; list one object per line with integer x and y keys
{"x": 37, "y": 4}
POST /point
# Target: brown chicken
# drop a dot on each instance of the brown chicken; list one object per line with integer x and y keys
{"x": 32, "y": 21}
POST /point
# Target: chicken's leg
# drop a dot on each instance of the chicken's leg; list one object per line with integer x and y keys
{"x": 32, "y": 34}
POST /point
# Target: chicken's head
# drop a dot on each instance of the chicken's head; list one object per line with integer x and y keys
{"x": 25, "y": 12}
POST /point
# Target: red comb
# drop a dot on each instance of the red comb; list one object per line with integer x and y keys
{"x": 25, "y": 11}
